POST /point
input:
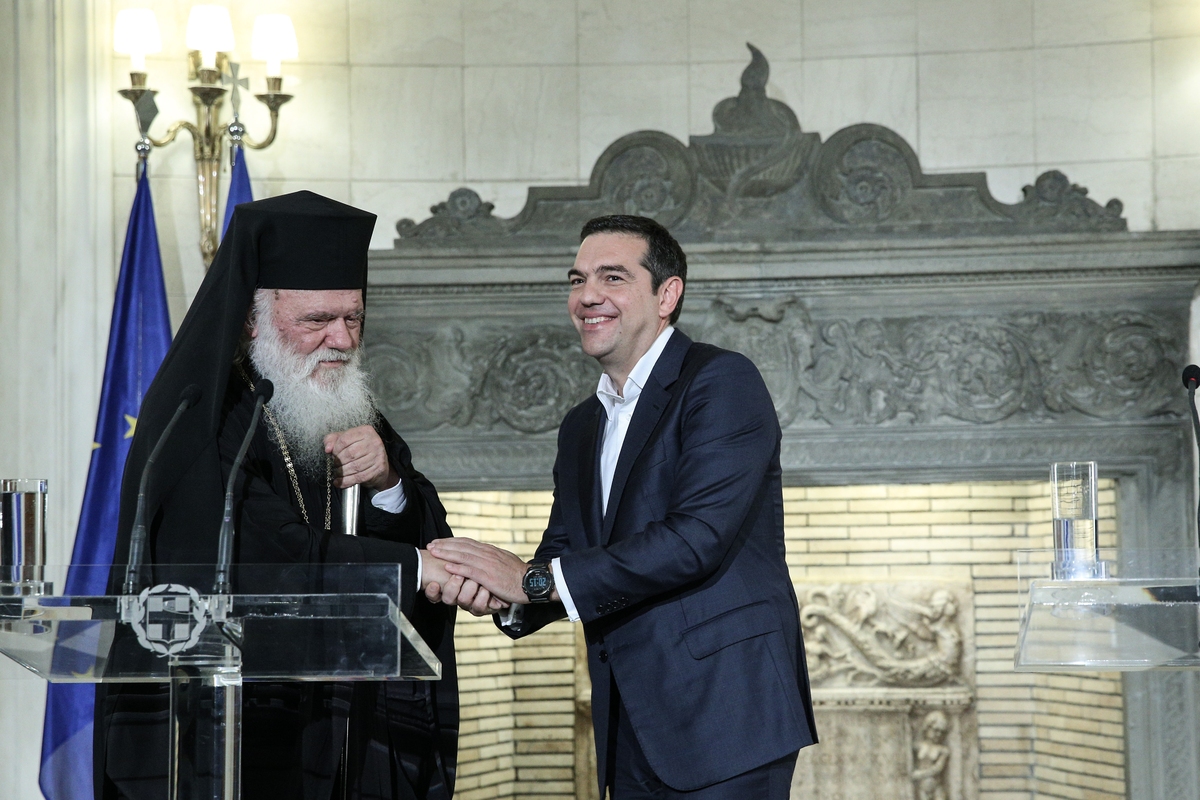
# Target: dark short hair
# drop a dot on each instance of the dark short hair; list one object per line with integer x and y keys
{"x": 664, "y": 257}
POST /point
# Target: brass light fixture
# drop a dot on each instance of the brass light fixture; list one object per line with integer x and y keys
{"x": 210, "y": 41}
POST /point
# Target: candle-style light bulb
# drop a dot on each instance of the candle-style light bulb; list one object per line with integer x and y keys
{"x": 274, "y": 41}
{"x": 136, "y": 35}
{"x": 209, "y": 30}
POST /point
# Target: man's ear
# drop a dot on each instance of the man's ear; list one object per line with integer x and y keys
{"x": 669, "y": 292}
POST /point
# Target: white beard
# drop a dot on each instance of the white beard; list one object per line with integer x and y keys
{"x": 309, "y": 404}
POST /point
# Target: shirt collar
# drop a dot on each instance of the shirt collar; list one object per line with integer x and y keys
{"x": 606, "y": 390}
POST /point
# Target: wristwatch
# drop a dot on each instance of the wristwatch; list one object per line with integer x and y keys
{"x": 538, "y": 582}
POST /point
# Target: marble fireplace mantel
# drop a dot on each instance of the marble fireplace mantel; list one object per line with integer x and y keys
{"x": 910, "y": 327}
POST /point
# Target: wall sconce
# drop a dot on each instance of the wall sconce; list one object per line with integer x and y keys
{"x": 210, "y": 41}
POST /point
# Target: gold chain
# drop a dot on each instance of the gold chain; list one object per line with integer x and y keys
{"x": 291, "y": 469}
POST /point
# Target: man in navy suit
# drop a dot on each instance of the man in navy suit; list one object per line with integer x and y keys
{"x": 666, "y": 541}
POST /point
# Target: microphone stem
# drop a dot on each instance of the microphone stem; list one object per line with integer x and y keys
{"x": 225, "y": 545}
{"x": 1196, "y": 433}
{"x": 137, "y": 537}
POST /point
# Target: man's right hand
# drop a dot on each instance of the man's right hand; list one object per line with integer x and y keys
{"x": 442, "y": 587}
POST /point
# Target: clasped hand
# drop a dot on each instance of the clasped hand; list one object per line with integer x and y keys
{"x": 481, "y": 578}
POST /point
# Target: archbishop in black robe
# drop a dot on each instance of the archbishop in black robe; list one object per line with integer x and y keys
{"x": 394, "y": 740}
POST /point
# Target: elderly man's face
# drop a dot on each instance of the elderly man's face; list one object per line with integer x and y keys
{"x": 311, "y": 319}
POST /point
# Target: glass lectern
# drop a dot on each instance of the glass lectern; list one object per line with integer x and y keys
{"x": 1142, "y": 611}
{"x": 281, "y": 622}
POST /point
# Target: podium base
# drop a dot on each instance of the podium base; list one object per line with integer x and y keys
{"x": 206, "y": 731}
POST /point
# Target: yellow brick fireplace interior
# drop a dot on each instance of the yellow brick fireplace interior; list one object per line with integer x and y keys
{"x": 1024, "y": 736}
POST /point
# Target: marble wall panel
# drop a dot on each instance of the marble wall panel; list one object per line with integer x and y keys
{"x": 1175, "y": 183}
{"x": 1093, "y": 103}
{"x": 1175, "y": 17}
{"x": 1177, "y": 96}
{"x": 968, "y": 117}
{"x": 837, "y": 28}
{"x": 406, "y": 123}
{"x": 22, "y": 703}
{"x": 406, "y": 32}
{"x": 515, "y": 32}
{"x": 313, "y": 124}
{"x": 633, "y": 32}
{"x": 1058, "y": 22}
{"x": 321, "y": 27}
{"x": 947, "y": 26}
{"x": 616, "y": 100}
{"x": 845, "y": 91}
{"x": 719, "y": 29}
{"x": 521, "y": 122}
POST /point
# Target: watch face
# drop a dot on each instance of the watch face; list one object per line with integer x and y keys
{"x": 538, "y": 582}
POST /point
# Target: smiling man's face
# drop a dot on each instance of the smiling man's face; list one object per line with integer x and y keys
{"x": 617, "y": 313}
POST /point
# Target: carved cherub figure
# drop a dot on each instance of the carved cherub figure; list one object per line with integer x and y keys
{"x": 932, "y": 758}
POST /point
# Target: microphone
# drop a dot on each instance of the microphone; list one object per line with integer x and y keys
{"x": 262, "y": 395}
{"x": 1191, "y": 380}
{"x": 137, "y": 540}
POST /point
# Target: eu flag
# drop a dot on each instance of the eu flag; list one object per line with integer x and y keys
{"x": 138, "y": 339}
{"x": 239, "y": 186}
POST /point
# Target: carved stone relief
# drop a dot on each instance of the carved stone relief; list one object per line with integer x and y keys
{"x": 980, "y": 369}
{"x": 524, "y": 379}
{"x": 834, "y": 371}
{"x": 859, "y": 636}
{"x": 892, "y": 669}
{"x": 758, "y": 176}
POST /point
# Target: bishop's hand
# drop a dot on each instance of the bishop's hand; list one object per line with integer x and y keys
{"x": 360, "y": 457}
{"x": 442, "y": 587}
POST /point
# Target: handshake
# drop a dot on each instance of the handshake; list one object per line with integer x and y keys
{"x": 478, "y": 577}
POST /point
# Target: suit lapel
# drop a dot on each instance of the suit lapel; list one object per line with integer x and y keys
{"x": 651, "y": 403}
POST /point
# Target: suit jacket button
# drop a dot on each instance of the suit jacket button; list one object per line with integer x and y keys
{"x": 603, "y": 656}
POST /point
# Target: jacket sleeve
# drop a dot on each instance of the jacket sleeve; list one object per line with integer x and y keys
{"x": 729, "y": 438}
{"x": 535, "y": 616}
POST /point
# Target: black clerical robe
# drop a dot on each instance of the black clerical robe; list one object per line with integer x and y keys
{"x": 402, "y": 735}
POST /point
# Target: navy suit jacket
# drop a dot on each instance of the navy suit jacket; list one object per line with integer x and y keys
{"x": 682, "y": 586}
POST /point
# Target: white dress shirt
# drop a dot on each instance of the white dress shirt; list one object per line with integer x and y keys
{"x": 618, "y": 408}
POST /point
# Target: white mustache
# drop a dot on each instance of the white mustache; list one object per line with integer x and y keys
{"x": 314, "y": 359}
